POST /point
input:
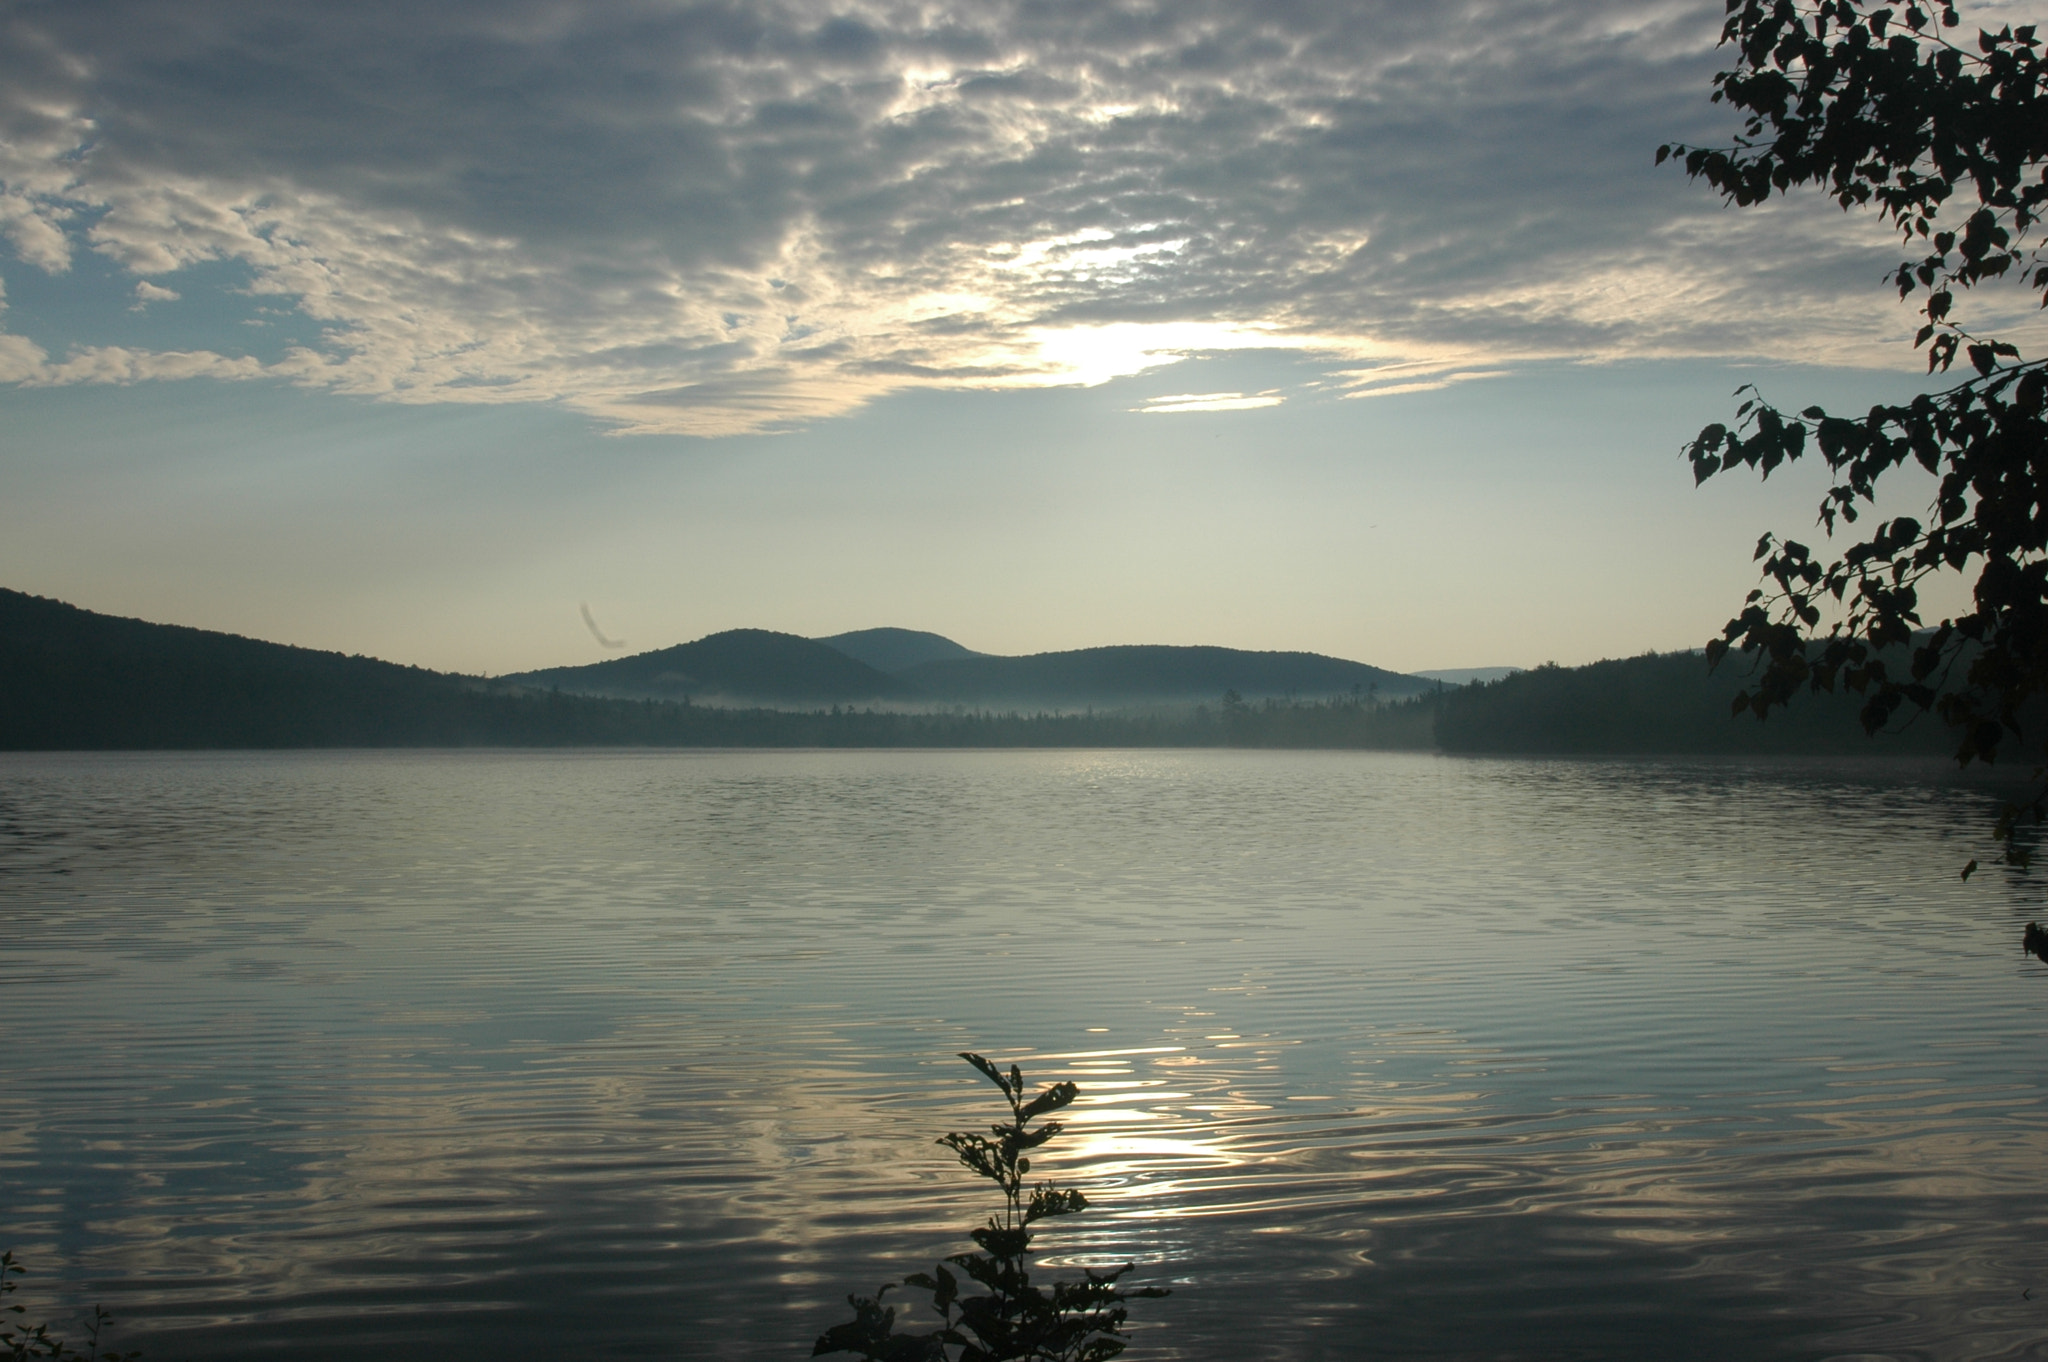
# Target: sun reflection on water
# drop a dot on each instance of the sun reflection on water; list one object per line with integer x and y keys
{"x": 303, "y": 1050}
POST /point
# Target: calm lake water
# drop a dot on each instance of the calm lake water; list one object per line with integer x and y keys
{"x": 524, "y": 1055}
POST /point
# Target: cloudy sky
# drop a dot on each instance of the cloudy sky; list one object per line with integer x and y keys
{"x": 1368, "y": 328}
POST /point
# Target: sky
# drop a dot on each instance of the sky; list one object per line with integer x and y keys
{"x": 1363, "y": 328}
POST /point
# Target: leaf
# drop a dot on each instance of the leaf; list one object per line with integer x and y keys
{"x": 1052, "y": 1099}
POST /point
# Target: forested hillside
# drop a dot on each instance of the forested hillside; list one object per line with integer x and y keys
{"x": 1142, "y": 674}
{"x": 896, "y": 650}
{"x": 738, "y": 665}
{"x": 72, "y": 679}
{"x": 1661, "y": 703}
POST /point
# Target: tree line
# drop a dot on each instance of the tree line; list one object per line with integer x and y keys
{"x": 72, "y": 699}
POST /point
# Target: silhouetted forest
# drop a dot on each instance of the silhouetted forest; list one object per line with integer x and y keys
{"x": 72, "y": 679}
{"x": 748, "y": 665}
{"x": 1662, "y": 703}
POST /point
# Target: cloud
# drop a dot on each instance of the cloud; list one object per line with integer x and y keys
{"x": 1194, "y": 402}
{"x": 1413, "y": 376}
{"x": 24, "y": 362}
{"x": 714, "y": 216}
{"x": 147, "y": 293}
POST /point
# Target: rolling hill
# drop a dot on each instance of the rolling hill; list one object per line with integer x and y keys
{"x": 1150, "y": 674}
{"x": 74, "y": 679}
{"x": 910, "y": 667}
{"x": 737, "y": 666}
{"x": 71, "y": 678}
{"x": 897, "y": 650}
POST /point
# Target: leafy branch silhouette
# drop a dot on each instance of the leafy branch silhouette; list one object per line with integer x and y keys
{"x": 21, "y": 1341}
{"x": 1010, "y": 1318}
{"x": 1884, "y": 108}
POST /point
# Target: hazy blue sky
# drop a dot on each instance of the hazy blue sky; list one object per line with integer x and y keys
{"x": 1367, "y": 328}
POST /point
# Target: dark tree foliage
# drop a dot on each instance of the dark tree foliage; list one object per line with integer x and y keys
{"x": 1891, "y": 108}
{"x": 1010, "y": 1317}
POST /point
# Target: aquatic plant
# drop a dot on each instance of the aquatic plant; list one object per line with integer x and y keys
{"x": 21, "y": 1341}
{"x": 1010, "y": 1318}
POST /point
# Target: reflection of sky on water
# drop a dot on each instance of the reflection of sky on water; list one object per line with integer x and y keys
{"x": 1418, "y": 1055}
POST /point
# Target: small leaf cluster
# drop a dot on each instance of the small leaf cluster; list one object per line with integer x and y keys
{"x": 21, "y": 1341}
{"x": 1010, "y": 1317}
{"x": 1882, "y": 108}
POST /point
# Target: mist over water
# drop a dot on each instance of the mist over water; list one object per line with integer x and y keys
{"x": 508, "y": 1055}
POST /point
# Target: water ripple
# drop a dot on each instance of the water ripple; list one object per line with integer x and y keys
{"x": 505, "y": 1055}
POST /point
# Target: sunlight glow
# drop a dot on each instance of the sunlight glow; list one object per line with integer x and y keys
{"x": 1089, "y": 355}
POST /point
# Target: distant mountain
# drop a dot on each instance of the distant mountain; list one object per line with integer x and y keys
{"x": 738, "y": 665}
{"x": 896, "y": 650}
{"x": 73, "y": 679}
{"x": 910, "y": 667}
{"x": 1142, "y": 674}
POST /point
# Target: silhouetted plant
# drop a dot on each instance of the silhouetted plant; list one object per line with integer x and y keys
{"x": 1076, "y": 1321}
{"x": 21, "y": 1341}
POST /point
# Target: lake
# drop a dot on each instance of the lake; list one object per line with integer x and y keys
{"x": 606, "y": 1054}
